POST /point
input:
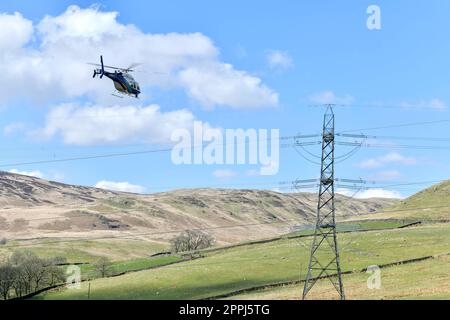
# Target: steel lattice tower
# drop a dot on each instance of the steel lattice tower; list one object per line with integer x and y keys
{"x": 324, "y": 259}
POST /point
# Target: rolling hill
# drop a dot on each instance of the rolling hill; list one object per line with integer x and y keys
{"x": 83, "y": 223}
{"x": 431, "y": 204}
{"x": 33, "y": 208}
{"x": 414, "y": 264}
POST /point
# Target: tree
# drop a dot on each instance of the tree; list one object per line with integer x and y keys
{"x": 191, "y": 240}
{"x": 25, "y": 272}
{"x": 54, "y": 275}
{"x": 24, "y": 263}
{"x": 102, "y": 265}
{"x": 7, "y": 278}
{"x": 33, "y": 273}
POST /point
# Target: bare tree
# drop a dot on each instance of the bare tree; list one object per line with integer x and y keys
{"x": 54, "y": 275}
{"x": 103, "y": 265}
{"x": 25, "y": 272}
{"x": 7, "y": 278}
{"x": 191, "y": 240}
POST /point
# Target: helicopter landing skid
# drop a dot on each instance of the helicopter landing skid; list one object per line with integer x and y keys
{"x": 117, "y": 95}
{"x": 122, "y": 95}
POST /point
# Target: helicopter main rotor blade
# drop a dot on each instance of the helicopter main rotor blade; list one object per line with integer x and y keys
{"x": 133, "y": 65}
{"x": 99, "y": 65}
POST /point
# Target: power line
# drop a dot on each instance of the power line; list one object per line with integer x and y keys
{"x": 440, "y": 139}
{"x": 407, "y": 183}
{"x": 393, "y": 146}
{"x": 389, "y": 106}
{"x": 169, "y": 149}
{"x": 412, "y": 124}
{"x": 121, "y": 154}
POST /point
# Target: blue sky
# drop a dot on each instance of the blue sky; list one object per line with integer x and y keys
{"x": 324, "y": 51}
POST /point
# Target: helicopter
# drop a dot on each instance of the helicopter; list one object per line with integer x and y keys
{"x": 121, "y": 77}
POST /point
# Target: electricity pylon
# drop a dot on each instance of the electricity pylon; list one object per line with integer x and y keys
{"x": 324, "y": 260}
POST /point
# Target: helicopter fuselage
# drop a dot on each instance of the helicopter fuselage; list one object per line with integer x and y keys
{"x": 124, "y": 82}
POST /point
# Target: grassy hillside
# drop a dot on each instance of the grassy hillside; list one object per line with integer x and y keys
{"x": 430, "y": 204}
{"x": 128, "y": 228}
{"x": 225, "y": 271}
{"x": 128, "y": 248}
{"x": 82, "y": 223}
{"x": 428, "y": 279}
{"x": 86, "y": 251}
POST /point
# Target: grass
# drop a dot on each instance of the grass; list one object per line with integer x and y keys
{"x": 86, "y": 251}
{"x": 88, "y": 271}
{"x": 435, "y": 201}
{"x": 228, "y": 270}
{"x": 363, "y": 225}
{"x": 422, "y": 280}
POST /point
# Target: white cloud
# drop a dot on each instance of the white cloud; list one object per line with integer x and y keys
{"x": 398, "y": 158}
{"x": 371, "y": 193}
{"x": 221, "y": 84}
{"x": 13, "y": 127}
{"x": 15, "y": 31}
{"x": 120, "y": 186}
{"x": 34, "y": 173}
{"x": 253, "y": 173}
{"x": 388, "y": 175}
{"x": 370, "y": 164}
{"x": 279, "y": 59}
{"x": 433, "y": 103}
{"x": 54, "y": 65}
{"x": 438, "y": 104}
{"x": 329, "y": 97}
{"x": 392, "y": 157}
{"x": 56, "y": 176}
{"x": 92, "y": 125}
{"x": 224, "y": 173}
{"x": 271, "y": 168}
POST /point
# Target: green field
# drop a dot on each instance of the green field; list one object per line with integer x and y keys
{"x": 225, "y": 271}
{"x": 364, "y": 225}
{"x": 428, "y": 279}
{"x": 86, "y": 251}
{"x": 89, "y": 271}
{"x": 431, "y": 204}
